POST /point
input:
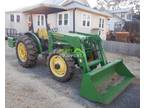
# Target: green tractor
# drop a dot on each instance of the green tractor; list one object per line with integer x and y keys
{"x": 101, "y": 81}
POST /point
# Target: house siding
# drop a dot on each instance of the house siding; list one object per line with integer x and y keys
{"x": 94, "y": 23}
{"x": 52, "y": 20}
{"x": 69, "y": 27}
{"x": 78, "y": 22}
{"x": 114, "y": 21}
{"x": 21, "y": 26}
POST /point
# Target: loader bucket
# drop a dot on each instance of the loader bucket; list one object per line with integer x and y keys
{"x": 106, "y": 83}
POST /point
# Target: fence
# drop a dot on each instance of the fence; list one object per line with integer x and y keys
{"x": 131, "y": 49}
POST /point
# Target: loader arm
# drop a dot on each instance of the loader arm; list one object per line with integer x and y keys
{"x": 102, "y": 83}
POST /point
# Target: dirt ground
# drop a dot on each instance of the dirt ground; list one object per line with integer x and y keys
{"x": 35, "y": 88}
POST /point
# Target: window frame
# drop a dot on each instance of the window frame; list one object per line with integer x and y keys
{"x": 86, "y": 18}
{"x": 100, "y": 20}
{"x": 18, "y": 18}
{"x": 42, "y": 20}
{"x": 60, "y": 20}
{"x": 66, "y": 19}
{"x": 63, "y": 19}
{"x": 101, "y": 23}
{"x": 12, "y": 18}
{"x": 38, "y": 20}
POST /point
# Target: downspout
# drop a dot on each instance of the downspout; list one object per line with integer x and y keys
{"x": 74, "y": 19}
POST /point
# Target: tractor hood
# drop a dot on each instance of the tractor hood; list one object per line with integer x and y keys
{"x": 81, "y": 36}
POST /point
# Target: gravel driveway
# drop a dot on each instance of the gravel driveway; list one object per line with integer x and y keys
{"x": 34, "y": 87}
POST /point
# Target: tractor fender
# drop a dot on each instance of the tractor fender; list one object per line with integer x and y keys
{"x": 36, "y": 39}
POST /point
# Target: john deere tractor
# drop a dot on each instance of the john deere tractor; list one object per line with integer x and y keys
{"x": 102, "y": 81}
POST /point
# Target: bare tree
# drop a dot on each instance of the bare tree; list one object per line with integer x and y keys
{"x": 133, "y": 4}
{"x": 118, "y": 4}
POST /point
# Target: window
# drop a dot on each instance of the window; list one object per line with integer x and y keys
{"x": 60, "y": 19}
{"x": 42, "y": 20}
{"x": 101, "y": 23}
{"x": 12, "y": 18}
{"x": 65, "y": 19}
{"x": 18, "y": 18}
{"x": 38, "y": 21}
{"x": 86, "y": 20}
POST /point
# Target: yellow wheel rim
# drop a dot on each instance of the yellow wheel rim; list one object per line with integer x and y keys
{"x": 22, "y": 52}
{"x": 58, "y": 66}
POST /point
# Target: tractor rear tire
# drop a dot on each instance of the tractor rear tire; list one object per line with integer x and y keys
{"x": 26, "y": 51}
{"x": 65, "y": 65}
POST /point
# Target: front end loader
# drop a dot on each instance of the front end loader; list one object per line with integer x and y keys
{"x": 102, "y": 81}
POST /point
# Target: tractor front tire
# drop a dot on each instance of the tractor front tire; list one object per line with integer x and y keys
{"x": 26, "y": 51}
{"x": 60, "y": 67}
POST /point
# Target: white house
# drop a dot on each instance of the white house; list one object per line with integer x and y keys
{"x": 15, "y": 21}
{"x": 125, "y": 14}
{"x": 79, "y": 17}
{"x": 119, "y": 16}
{"x": 115, "y": 23}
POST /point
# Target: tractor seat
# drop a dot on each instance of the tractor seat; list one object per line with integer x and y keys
{"x": 42, "y": 33}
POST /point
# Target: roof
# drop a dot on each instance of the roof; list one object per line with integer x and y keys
{"x": 114, "y": 15}
{"x": 81, "y": 2}
{"x": 121, "y": 10}
{"x": 56, "y": 2}
{"x": 85, "y": 8}
{"x": 42, "y": 8}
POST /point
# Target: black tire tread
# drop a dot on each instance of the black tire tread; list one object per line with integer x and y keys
{"x": 31, "y": 50}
